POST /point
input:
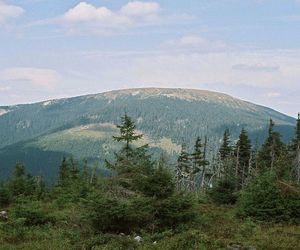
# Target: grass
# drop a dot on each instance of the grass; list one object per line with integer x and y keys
{"x": 215, "y": 228}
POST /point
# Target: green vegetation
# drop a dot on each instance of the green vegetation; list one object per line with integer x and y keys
{"x": 40, "y": 134}
{"x": 243, "y": 199}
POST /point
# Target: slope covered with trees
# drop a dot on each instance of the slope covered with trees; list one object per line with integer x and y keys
{"x": 83, "y": 126}
{"x": 234, "y": 201}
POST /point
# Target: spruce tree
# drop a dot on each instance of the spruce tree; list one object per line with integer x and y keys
{"x": 199, "y": 160}
{"x": 127, "y": 133}
{"x": 295, "y": 152}
{"x": 273, "y": 154}
{"x": 197, "y": 156}
{"x": 225, "y": 149}
{"x": 243, "y": 156}
{"x": 183, "y": 169}
{"x": 64, "y": 173}
{"x": 226, "y": 159}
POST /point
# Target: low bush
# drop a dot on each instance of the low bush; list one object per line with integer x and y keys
{"x": 223, "y": 192}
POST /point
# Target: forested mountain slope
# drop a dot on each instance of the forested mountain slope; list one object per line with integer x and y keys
{"x": 40, "y": 134}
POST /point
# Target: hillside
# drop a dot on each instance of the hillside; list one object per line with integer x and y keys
{"x": 41, "y": 133}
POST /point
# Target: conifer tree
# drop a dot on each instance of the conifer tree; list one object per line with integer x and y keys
{"x": 197, "y": 156}
{"x": 225, "y": 153}
{"x": 127, "y": 133}
{"x": 296, "y": 140}
{"x": 295, "y": 152}
{"x": 225, "y": 149}
{"x": 64, "y": 172}
{"x": 199, "y": 160}
{"x": 243, "y": 156}
{"x": 4, "y": 195}
{"x": 21, "y": 182}
{"x": 183, "y": 169}
{"x": 273, "y": 153}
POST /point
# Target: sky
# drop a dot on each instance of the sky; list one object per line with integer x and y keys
{"x": 246, "y": 48}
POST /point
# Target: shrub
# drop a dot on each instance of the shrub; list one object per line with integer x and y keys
{"x": 114, "y": 215}
{"x": 223, "y": 192}
{"x": 111, "y": 242}
{"x": 264, "y": 200}
{"x": 4, "y": 196}
{"x": 32, "y": 213}
{"x": 159, "y": 184}
{"x": 175, "y": 210}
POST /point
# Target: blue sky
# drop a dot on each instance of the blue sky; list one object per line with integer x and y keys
{"x": 247, "y": 48}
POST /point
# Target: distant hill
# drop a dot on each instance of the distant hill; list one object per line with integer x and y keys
{"x": 41, "y": 134}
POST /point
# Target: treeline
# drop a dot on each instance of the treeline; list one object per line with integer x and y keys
{"x": 150, "y": 196}
{"x": 239, "y": 161}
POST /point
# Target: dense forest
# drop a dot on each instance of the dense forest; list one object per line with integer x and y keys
{"x": 246, "y": 196}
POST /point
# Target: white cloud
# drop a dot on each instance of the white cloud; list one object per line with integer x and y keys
{"x": 273, "y": 94}
{"x": 195, "y": 43}
{"x": 101, "y": 20}
{"x": 138, "y": 8}
{"x": 38, "y": 77}
{"x": 9, "y": 11}
{"x": 256, "y": 67}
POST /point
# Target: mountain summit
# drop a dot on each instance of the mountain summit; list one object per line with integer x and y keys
{"x": 40, "y": 134}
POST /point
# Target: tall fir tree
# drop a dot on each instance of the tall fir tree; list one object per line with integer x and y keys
{"x": 295, "y": 153}
{"x": 243, "y": 158}
{"x": 183, "y": 169}
{"x": 226, "y": 148}
{"x": 197, "y": 156}
{"x": 226, "y": 157}
{"x": 127, "y": 133}
{"x": 199, "y": 161}
{"x": 273, "y": 154}
{"x": 63, "y": 173}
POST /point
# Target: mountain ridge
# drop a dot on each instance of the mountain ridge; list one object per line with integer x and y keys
{"x": 167, "y": 117}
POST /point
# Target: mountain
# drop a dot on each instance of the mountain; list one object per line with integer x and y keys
{"x": 40, "y": 134}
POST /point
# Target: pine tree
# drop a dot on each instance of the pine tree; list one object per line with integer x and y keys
{"x": 273, "y": 154}
{"x": 4, "y": 196}
{"x": 197, "y": 156}
{"x": 199, "y": 160}
{"x": 225, "y": 149}
{"x": 127, "y": 133}
{"x": 21, "y": 182}
{"x": 225, "y": 153}
{"x": 243, "y": 156}
{"x": 183, "y": 169}
{"x": 295, "y": 152}
{"x": 296, "y": 140}
{"x": 64, "y": 173}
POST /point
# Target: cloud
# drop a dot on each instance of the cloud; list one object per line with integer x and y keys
{"x": 143, "y": 9}
{"x": 85, "y": 17}
{"x": 255, "y": 68}
{"x": 38, "y": 77}
{"x": 273, "y": 94}
{"x": 195, "y": 43}
{"x": 9, "y": 11}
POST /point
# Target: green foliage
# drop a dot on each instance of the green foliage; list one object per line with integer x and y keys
{"x": 114, "y": 215}
{"x": 225, "y": 149}
{"x": 23, "y": 184}
{"x": 242, "y": 153}
{"x": 127, "y": 133}
{"x": 111, "y": 242}
{"x": 159, "y": 183}
{"x": 296, "y": 140}
{"x": 264, "y": 200}
{"x": 224, "y": 192}
{"x": 4, "y": 196}
{"x": 175, "y": 210}
{"x": 273, "y": 154}
{"x": 32, "y": 213}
